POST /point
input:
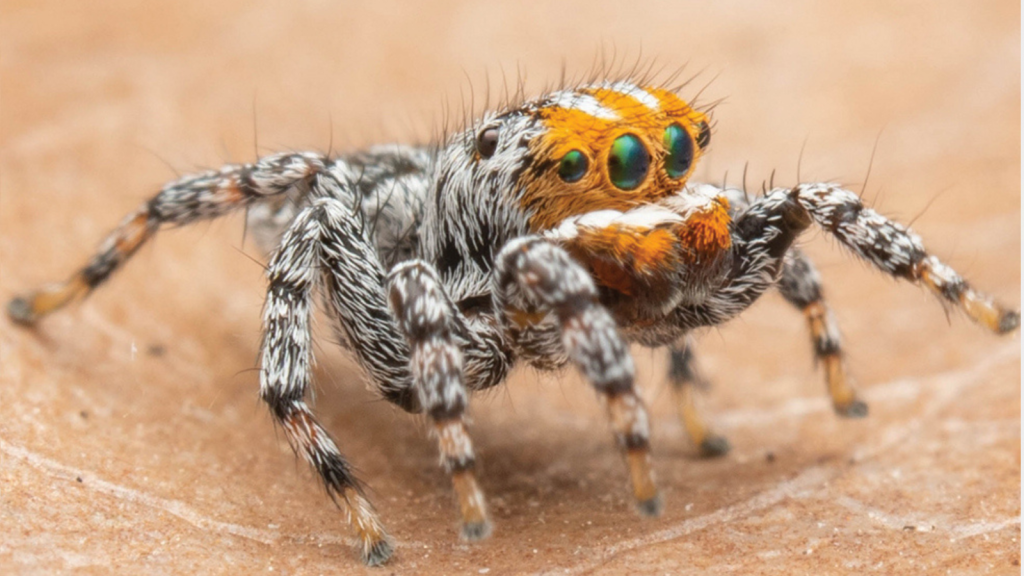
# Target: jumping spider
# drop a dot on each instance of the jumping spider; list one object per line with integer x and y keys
{"x": 551, "y": 231}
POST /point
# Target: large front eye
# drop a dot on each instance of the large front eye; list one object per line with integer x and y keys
{"x": 680, "y": 151}
{"x": 628, "y": 162}
{"x": 573, "y": 166}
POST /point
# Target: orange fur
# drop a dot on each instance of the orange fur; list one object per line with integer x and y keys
{"x": 627, "y": 259}
{"x": 706, "y": 233}
{"x": 551, "y": 200}
{"x": 618, "y": 256}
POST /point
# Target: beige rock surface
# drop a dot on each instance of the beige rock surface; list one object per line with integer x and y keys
{"x": 131, "y": 437}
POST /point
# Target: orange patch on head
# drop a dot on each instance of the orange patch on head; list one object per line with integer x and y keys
{"x": 590, "y": 120}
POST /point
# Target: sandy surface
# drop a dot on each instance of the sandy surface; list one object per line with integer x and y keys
{"x": 131, "y": 437}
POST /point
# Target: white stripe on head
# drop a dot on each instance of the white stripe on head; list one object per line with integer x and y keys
{"x": 633, "y": 91}
{"x": 585, "y": 103}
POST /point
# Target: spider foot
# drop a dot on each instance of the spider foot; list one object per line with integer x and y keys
{"x": 852, "y": 409}
{"x": 714, "y": 446}
{"x": 27, "y": 310}
{"x": 650, "y": 508}
{"x": 476, "y": 530}
{"x": 378, "y": 553}
{"x": 19, "y": 310}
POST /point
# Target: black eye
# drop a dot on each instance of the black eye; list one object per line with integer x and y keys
{"x": 680, "y": 151}
{"x": 628, "y": 162}
{"x": 487, "y": 142}
{"x": 704, "y": 136}
{"x": 572, "y": 166}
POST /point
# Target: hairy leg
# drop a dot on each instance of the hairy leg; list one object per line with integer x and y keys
{"x": 324, "y": 236}
{"x": 687, "y": 382}
{"x": 895, "y": 250}
{"x": 800, "y": 285}
{"x": 191, "y": 198}
{"x": 535, "y": 278}
{"x": 433, "y": 326}
{"x": 765, "y": 231}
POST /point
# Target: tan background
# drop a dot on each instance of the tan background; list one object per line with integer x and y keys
{"x": 131, "y": 436}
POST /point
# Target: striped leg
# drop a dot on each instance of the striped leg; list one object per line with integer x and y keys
{"x": 432, "y": 325}
{"x": 535, "y": 277}
{"x": 800, "y": 285}
{"x": 896, "y": 250}
{"x": 686, "y": 382}
{"x": 322, "y": 235}
{"x": 764, "y": 232}
{"x": 196, "y": 197}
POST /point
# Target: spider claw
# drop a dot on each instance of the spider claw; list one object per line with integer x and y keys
{"x": 853, "y": 409}
{"x": 1009, "y": 321}
{"x": 715, "y": 446}
{"x": 476, "y": 531}
{"x": 650, "y": 508}
{"x": 19, "y": 309}
{"x": 378, "y": 553}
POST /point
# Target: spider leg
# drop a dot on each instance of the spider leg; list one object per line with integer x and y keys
{"x": 324, "y": 236}
{"x": 800, "y": 285}
{"x": 432, "y": 325}
{"x": 687, "y": 381}
{"x": 893, "y": 249}
{"x": 765, "y": 231}
{"x": 195, "y": 197}
{"x": 534, "y": 277}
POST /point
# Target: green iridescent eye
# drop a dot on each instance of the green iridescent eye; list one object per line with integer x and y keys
{"x": 628, "y": 162}
{"x": 573, "y": 166}
{"x": 680, "y": 151}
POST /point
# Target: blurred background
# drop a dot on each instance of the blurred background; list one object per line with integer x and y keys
{"x": 130, "y": 433}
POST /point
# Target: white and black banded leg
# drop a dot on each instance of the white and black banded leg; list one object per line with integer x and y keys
{"x": 433, "y": 327}
{"x": 764, "y": 232}
{"x": 800, "y": 285}
{"x": 687, "y": 383}
{"x": 308, "y": 249}
{"x": 188, "y": 199}
{"x": 894, "y": 249}
{"x": 535, "y": 277}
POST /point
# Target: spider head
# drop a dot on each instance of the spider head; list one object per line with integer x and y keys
{"x": 608, "y": 146}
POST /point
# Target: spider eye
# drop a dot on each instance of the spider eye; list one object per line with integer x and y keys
{"x": 680, "y": 151}
{"x": 487, "y": 142}
{"x": 628, "y": 162}
{"x": 572, "y": 166}
{"x": 704, "y": 136}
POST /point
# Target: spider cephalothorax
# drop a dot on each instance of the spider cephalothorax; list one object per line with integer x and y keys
{"x": 552, "y": 231}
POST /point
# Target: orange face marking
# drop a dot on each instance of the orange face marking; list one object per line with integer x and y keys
{"x": 590, "y": 120}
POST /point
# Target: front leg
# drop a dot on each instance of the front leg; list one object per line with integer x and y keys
{"x": 287, "y": 357}
{"x": 893, "y": 249}
{"x": 433, "y": 326}
{"x": 535, "y": 278}
{"x": 801, "y": 286}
